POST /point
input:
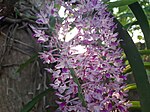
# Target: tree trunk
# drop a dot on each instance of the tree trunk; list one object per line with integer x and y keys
{"x": 17, "y": 88}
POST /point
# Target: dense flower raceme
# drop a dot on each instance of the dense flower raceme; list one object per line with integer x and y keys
{"x": 98, "y": 69}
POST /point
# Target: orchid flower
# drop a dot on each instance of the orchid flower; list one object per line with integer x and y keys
{"x": 99, "y": 69}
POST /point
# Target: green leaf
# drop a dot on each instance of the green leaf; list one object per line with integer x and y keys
{"x": 123, "y": 8}
{"x": 81, "y": 97}
{"x": 52, "y": 23}
{"x": 136, "y": 63}
{"x": 127, "y": 26}
{"x": 27, "y": 62}
{"x": 147, "y": 65}
{"x": 32, "y": 103}
{"x": 142, "y": 20}
{"x": 130, "y": 87}
{"x": 120, "y": 3}
{"x": 144, "y": 52}
{"x": 125, "y": 15}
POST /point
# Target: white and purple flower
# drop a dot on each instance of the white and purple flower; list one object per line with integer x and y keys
{"x": 99, "y": 69}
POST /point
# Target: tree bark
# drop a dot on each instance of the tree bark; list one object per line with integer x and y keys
{"x": 17, "y": 88}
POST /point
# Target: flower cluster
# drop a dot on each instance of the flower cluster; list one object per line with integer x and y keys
{"x": 97, "y": 83}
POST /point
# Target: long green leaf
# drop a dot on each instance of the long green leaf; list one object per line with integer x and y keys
{"x": 127, "y": 26}
{"x": 136, "y": 63}
{"x": 120, "y": 3}
{"x": 32, "y": 103}
{"x": 144, "y": 52}
{"x": 142, "y": 20}
{"x": 147, "y": 65}
{"x": 52, "y": 23}
{"x": 27, "y": 62}
{"x": 81, "y": 97}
